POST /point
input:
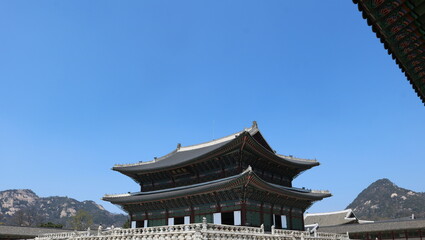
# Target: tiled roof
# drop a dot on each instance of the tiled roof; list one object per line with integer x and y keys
{"x": 183, "y": 155}
{"x": 248, "y": 177}
{"x": 380, "y": 226}
{"x": 25, "y": 232}
{"x": 331, "y": 218}
{"x": 399, "y": 24}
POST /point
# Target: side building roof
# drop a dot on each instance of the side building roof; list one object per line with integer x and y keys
{"x": 246, "y": 178}
{"x": 331, "y": 218}
{"x": 189, "y": 154}
{"x": 379, "y": 226}
{"x": 15, "y": 232}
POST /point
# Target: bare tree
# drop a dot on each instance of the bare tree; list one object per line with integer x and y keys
{"x": 82, "y": 220}
{"x": 26, "y": 217}
{"x": 18, "y": 219}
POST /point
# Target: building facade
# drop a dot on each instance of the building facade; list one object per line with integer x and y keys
{"x": 235, "y": 180}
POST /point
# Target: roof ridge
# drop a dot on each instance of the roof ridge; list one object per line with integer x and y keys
{"x": 212, "y": 142}
{"x": 296, "y": 158}
{"x": 251, "y": 130}
{"x": 147, "y": 162}
{"x": 117, "y": 195}
{"x": 329, "y": 213}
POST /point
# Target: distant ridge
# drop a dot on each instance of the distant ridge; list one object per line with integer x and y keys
{"x": 23, "y": 207}
{"x": 385, "y": 200}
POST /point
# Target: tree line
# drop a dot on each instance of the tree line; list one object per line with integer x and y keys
{"x": 29, "y": 217}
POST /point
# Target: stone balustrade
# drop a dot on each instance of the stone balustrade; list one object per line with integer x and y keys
{"x": 196, "y": 231}
{"x": 330, "y": 235}
{"x": 234, "y": 229}
{"x": 64, "y": 235}
{"x": 285, "y": 232}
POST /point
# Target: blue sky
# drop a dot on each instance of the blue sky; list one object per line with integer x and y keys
{"x": 89, "y": 84}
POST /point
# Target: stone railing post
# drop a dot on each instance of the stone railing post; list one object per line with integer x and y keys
{"x": 262, "y": 228}
{"x": 273, "y": 230}
{"x": 198, "y": 234}
{"x": 204, "y": 223}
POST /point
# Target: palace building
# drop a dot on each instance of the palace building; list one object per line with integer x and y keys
{"x": 235, "y": 180}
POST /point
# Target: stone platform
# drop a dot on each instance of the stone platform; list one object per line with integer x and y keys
{"x": 196, "y": 231}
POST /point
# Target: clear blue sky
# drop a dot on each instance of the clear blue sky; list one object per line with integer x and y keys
{"x": 85, "y": 85}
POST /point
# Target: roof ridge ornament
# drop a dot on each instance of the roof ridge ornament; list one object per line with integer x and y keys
{"x": 179, "y": 145}
{"x": 254, "y": 124}
{"x": 249, "y": 169}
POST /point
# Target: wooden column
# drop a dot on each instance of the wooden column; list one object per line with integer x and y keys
{"x": 197, "y": 175}
{"x": 167, "y": 215}
{"x": 290, "y": 224}
{"x": 302, "y": 223}
{"x": 172, "y": 179}
{"x": 262, "y": 213}
{"x": 243, "y": 213}
{"x": 192, "y": 214}
{"x": 271, "y": 214}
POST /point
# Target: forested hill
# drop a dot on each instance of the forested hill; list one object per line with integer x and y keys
{"x": 23, "y": 207}
{"x": 385, "y": 200}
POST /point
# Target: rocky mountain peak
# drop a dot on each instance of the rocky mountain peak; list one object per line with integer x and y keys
{"x": 12, "y": 201}
{"x": 385, "y": 200}
{"x": 23, "y": 207}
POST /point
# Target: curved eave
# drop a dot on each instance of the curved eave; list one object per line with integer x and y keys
{"x": 303, "y": 164}
{"x": 290, "y": 191}
{"x": 180, "y": 159}
{"x": 246, "y": 178}
{"x": 414, "y": 71}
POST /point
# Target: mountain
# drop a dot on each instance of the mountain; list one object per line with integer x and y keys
{"x": 24, "y": 207}
{"x": 385, "y": 200}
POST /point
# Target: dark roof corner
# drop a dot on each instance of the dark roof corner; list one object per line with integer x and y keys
{"x": 401, "y": 33}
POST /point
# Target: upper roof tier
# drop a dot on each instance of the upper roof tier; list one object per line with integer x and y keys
{"x": 183, "y": 156}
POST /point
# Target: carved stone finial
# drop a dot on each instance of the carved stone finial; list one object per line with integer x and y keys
{"x": 99, "y": 230}
{"x": 204, "y": 223}
{"x": 179, "y": 145}
{"x": 249, "y": 169}
{"x": 254, "y": 124}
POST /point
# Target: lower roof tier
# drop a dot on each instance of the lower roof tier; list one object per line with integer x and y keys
{"x": 244, "y": 180}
